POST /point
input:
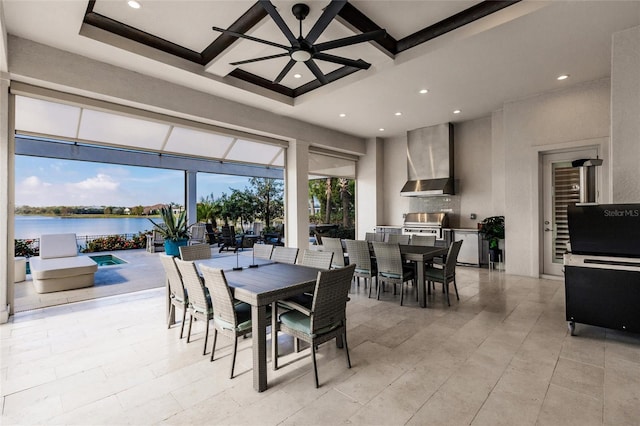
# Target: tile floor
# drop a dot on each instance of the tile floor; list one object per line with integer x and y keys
{"x": 501, "y": 355}
{"x": 139, "y": 273}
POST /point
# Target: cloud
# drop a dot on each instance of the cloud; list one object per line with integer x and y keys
{"x": 33, "y": 183}
{"x": 100, "y": 182}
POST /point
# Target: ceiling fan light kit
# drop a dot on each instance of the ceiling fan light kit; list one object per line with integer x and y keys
{"x": 303, "y": 49}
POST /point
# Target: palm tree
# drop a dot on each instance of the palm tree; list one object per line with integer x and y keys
{"x": 327, "y": 214}
{"x": 345, "y": 196}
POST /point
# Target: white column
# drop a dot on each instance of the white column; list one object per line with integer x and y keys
{"x": 370, "y": 188}
{"x": 296, "y": 195}
{"x": 7, "y": 200}
{"x": 190, "y": 195}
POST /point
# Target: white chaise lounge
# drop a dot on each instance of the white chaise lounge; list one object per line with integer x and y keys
{"x": 59, "y": 267}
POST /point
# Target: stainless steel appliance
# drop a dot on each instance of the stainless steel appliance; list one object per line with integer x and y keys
{"x": 425, "y": 224}
{"x": 602, "y": 270}
{"x": 429, "y": 162}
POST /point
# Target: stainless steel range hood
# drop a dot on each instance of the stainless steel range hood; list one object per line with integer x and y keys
{"x": 429, "y": 162}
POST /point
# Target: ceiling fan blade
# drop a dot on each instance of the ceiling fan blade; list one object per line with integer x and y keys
{"x": 316, "y": 71}
{"x": 342, "y": 61}
{"x": 325, "y": 19}
{"x": 347, "y": 41}
{"x": 284, "y": 71}
{"x": 263, "y": 58}
{"x": 240, "y": 35}
{"x": 271, "y": 10}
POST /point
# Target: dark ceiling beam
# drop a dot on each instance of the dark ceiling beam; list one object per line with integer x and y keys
{"x": 453, "y": 22}
{"x": 262, "y": 82}
{"x": 123, "y": 30}
{"x": 247, "y": 21}
{"x": 351, "y": 17}
{"x": 331, "y": 77}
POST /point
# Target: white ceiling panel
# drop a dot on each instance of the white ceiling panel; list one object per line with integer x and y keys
{"x": 252, "y": 152}
{"x": 120, "y": 130}
{"x": 47, "y": 118}
{"x": 194, "y": 142}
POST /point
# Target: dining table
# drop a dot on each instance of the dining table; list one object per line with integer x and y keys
{"x": 262, "y": 287}
{"x": 420, "y": 255}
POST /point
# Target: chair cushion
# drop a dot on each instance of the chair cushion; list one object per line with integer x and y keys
{"x": 434, "y": 274}
{"x": 58, "y": 245}
{"x": 301, "y": 322}
{"x": 43, "y": 269}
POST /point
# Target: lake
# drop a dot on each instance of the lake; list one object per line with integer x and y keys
{"x": 27, "y": 227}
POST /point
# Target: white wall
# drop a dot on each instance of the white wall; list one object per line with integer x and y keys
{"x": 548, "y": 121}
{"x": 625, "y": 112}
{"x": 473, "y": 170}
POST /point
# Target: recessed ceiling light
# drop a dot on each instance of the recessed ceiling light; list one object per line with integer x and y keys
{"x": 297, "y": 76}
{"x": 343, "y": 115}
{"x": 381, "y": 129}
{"x": 398, "y": 113}
{"x": 134, "y": 4}
{"x": 457, "y": 111}
{"x": 423, "y": 91}
{"x": 563, "y": 77}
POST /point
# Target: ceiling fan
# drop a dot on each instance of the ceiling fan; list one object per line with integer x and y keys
{"x": 303, "y": 49}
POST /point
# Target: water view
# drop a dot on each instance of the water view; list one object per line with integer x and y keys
{"x": 27, "y": 227}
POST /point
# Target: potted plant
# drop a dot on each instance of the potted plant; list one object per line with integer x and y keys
{"x": 174, "y": 229}
{"x": 492, "y": 228}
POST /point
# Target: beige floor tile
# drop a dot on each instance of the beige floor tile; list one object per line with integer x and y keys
{"x": 621, "y": 392}
{"x": 579, "y": 377}
{"x": 332, "y": 407}
{"x": 516, "y": 400}
{"x": 562, "y": 406}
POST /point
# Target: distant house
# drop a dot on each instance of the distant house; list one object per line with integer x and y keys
{"x": 127, "y": 210}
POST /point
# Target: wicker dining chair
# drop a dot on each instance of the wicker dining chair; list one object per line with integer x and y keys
{"x": 284, "y": 254}
{"x": 391, "y": 268}
{"x": 262, "y": 251}
{"x": 374, "y": 236}
{"x": 360, "y": 255}
{"x": 399, "y": 239}
{"x": 177, "y": 293}
{"x": 231, "y": 318}
{"x": 195, "y": 252}
{"x": 423, "y": 240}
{"x": 200, "y": 306}
{"x": 327, "y": 319}
{"x": 316, "y": 259}
{"x": 334, "y": 245}
{"x": 447, "y": 273}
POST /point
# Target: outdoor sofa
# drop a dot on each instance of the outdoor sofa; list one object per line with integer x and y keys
{"x": 59, "y": 267}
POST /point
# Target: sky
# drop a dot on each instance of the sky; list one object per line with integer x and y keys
{"x": 44, "y": 182}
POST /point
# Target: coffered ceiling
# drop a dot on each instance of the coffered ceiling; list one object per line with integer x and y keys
{"x": 471, "y": 56}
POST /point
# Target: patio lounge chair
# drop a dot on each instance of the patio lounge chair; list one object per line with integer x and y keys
{"x": 228, "y": 239}
{"x": 59, "y": 267}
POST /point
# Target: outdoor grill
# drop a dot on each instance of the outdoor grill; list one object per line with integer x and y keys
{"x": 602, "y": 267}
{"x": 425, "y": 224}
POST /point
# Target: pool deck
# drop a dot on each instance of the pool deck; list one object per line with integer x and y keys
{"x": 142, "y": 271}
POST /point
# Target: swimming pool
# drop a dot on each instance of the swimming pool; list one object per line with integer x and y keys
{"x": 107, "y": 260}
